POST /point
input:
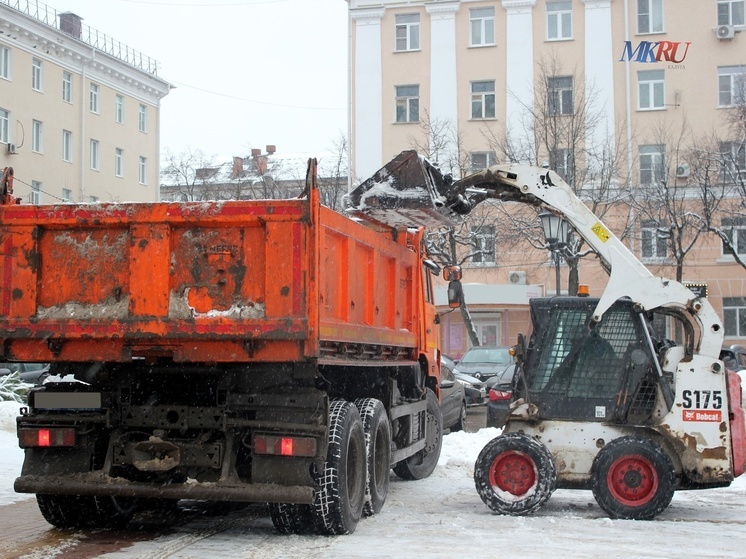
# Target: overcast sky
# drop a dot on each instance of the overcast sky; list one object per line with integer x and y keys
{"x": 247, "y": 73}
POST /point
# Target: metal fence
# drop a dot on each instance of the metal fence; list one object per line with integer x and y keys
{"x": 84, "y": 33}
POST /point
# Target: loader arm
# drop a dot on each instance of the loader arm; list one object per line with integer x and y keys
{"x": 410, "y": 190}
{"x": 628, "y": 277}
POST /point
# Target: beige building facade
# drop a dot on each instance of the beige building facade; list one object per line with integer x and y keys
{"x": 79, "y": 111}
{"x": 649, "y": 79}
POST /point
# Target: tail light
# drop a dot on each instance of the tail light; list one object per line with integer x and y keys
{"x": 499, "y": 395}
{"x": 285, "y": 446}
{"x": 46, "y": 437}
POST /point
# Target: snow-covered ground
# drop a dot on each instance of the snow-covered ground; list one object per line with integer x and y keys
{"x": 443, "y": 517}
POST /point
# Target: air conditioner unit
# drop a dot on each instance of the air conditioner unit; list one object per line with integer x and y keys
{"x": 517, "y": 278}
{"x": 682, "y": 171}
{"x": 12, "y": 148}
{"x": 725, "y": 32}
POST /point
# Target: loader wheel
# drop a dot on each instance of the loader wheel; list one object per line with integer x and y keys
{"x": 80, "y": 511}
{"x": 633, "y": 479}
{"x": 515, "y": 474}
{"x": 338, "y": 503}
{"x": 422, "y": 464}
{"x": 378, "y": 453}
{"x": 291, "y": 518}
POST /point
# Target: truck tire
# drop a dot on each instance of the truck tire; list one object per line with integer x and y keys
{"x": 291, "y": 518}
{"x": 422, "y": 464}
{"x": 338, "y": 503}
{"x": 633, "y": 478}
{"x": 515, "y": 474}
{"x": 378, "y": 453}
{"x": 80, "y": 511}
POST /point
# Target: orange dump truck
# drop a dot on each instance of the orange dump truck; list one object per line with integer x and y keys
{"x": 267, "y": 351}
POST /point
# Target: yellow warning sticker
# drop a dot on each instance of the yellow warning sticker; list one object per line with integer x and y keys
{"x": 601, "y": 232}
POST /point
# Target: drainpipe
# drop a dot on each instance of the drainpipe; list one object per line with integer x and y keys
{"x": 627, "y": 92}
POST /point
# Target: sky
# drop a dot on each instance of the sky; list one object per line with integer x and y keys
{"x": 247, "y": 73}
{"x": 440, "y": 517}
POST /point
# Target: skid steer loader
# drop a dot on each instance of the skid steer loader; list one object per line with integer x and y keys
{"x": 603, "y": 400}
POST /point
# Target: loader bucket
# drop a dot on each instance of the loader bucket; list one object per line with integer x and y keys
{"x": 409, "y": 192}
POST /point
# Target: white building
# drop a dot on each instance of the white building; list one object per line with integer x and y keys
{"x": 79, "y": 111}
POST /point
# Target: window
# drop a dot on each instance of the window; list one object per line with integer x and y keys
{"x": 733, "y": 159}
{"x": 561, "y": 161}
{"x": 650, "y": 16}
{"x": 652, "y": 164}
{"x": 482, "y": 159}
{"x": 731, "y": 85}
{"x": 483, "y": 99}
{"x": 94, "y": 98}
{"x": 484, "y": 244}
{"x": 735, "y": 229}
{"x": 35, "y": 196}
{"x": 143, "y": 118}
{"x": 407, "y": 103}
{"x": 67, "y": 146}
{"x": 67, "y": 87}
{"x": 4, "y": 126}
{"x": 482, "y": 26}
{"x": 94, "y": 155}
{"x": 93, "y": 199}
{"x": 36, "y": 137}
{"x": 67, "y": 195}
{"x": 651, "y": 89}
{"x": 142, "y": 174}
{"x": 734, "y": 316}
{"x": 118, "y": 156}
{"x": 559, "y": 20}
{"x": 36, "y": 82}
{"x": 560, "y": 96}
{"x": 5, "y": 63}
{"x": 730, "y": 12}
{"x": 119, "y": 109}
{"x": 407, "y": 32}
{"x": 654, "y": 240}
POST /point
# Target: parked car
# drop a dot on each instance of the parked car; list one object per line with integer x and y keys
{"x": 452, "y": 399}
{"x": 33, "y": 373}
{"x": 500, "y": 396}
{"x": 475, "y": 389}
{"x": 483, "y": 362}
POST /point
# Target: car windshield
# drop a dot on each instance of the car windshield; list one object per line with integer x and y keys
{"x": 497, "y": 355}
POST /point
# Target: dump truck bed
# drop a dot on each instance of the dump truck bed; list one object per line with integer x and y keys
{"x": 279, "y": 280}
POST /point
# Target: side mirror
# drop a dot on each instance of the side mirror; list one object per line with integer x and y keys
{"x": 455, "y": 292}
{"x": 452, "y": 273}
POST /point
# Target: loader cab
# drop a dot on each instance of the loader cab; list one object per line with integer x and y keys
{"x": 605, "y": 372}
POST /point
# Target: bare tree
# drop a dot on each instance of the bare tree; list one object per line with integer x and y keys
{"x": 556, "y": 132}
{"x": 668, "y": 205}
{"x": 333, "y": 180}
{"x": 188, "y": 175}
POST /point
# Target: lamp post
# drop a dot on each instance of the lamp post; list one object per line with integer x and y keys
{"x": 556, "y": 230}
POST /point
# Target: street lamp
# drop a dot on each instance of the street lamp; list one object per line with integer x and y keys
{"x": 556, "y": 232}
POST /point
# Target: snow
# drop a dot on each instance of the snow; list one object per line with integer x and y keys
{"x": 443, "y": 517}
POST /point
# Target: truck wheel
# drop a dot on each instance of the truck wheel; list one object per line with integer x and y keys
{"x": 290, "y": 518}
{"x": 515, "y": 474}
{"x": 378, "y": 453}
{"x": 422, "y": 464}
{"x": 79, "y": 511}
{"x": 338, "y": 503}
{"x": 633, "y": 479}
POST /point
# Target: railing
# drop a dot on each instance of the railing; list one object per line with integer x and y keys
{"x": 84, "y": 33}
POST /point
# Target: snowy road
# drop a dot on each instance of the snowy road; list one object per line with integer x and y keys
{"x": 440, "y": 517}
